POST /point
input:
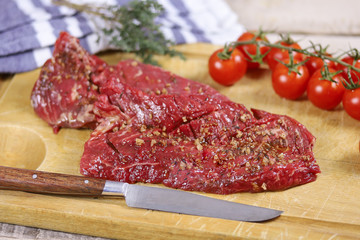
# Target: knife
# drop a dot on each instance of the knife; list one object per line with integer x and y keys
{"x": 137, "y": 196}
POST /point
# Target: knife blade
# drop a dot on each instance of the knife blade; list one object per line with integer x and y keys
{"x": 137, "y": 196}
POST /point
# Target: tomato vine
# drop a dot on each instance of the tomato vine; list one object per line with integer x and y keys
{"x": 318, "y": 50}
{"x": 336, "y": 78}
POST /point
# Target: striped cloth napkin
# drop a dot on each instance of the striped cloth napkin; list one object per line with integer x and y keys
{"x": 29, "y": 28}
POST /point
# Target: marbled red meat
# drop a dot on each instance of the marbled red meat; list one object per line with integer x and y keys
{"x": 152, "y": 80}
{"x": 67, "y": 88}
{"x": 63, "y": 95}
{"x": 199, "y": 143}
{"x": 156, "y": 127}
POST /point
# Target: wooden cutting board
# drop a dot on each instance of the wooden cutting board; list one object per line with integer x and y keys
{"x": 328, "y": 208}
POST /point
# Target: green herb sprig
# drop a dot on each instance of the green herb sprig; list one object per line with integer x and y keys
{"x": 132, "y": 28}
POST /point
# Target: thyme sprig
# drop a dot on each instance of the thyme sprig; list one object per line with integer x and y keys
{"x": 132, "y": 27}
{"x": 315, "y": 50}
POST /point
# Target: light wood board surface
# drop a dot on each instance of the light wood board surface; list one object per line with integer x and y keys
{"x": 325, "y": 209}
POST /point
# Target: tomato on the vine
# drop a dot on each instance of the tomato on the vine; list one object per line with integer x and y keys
{"x": 227, "y": 71}
{"x": 351, "y": 102}
{"x": 251, "y": 48}
{"x": 315, "y": 63}
{"x": 354, "y": 75}
{"x": 276, "y": 54}
{"x": 323, "y": 93}
{"x": 290, "y": 86}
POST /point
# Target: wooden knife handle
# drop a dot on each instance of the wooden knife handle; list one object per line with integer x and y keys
{"x": 46, "y": 182}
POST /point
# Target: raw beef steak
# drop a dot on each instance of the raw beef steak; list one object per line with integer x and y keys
{"x": 153, "y": 80}
{"x": 68, "y": 85}
{"x": 199, "y": 143}
{"x": 156, "y": 127}
{"x": 63, "y": 96}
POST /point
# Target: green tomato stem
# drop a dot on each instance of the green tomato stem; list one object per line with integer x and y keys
{"x": 258, "y": 57}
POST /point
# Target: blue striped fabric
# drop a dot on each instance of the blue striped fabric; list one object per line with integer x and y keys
{"x": 29, "y": 28}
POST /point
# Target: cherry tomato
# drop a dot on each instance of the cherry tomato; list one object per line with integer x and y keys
{"x": 290, "y": 86}
{"x": 351, "y": 103}
{"x": 250, "y": 48}
{"x": 315, "y": 63}
{"x": 325, "y": 94}
{"x": 354, "y": 75}
{"x": 282, "y": 54}
{"x": 229, "y": 71}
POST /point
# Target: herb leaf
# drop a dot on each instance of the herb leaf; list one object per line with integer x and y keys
{"x": 132, "y": 28}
